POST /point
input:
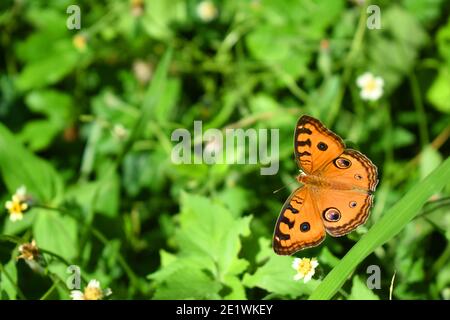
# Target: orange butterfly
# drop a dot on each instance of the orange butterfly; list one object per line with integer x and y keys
{"x": 336, "y": 194}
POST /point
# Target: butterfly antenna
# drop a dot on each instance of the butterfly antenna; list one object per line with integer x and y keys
{"x": 284, "y": 187}
{"x": 279, "y": 189}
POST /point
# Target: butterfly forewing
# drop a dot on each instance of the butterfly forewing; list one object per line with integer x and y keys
{"x": 299, "y": 225}
{"x": 352, "y": 168}
{"x": 315, "y": 145}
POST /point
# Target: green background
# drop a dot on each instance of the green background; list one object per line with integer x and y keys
{"x": 86, "y": 128}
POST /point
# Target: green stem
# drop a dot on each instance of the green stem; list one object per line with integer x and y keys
{"x": 389, "y": 148}
{"x": 8, "y": 276}
{"x": 354, "y": 50}
{"x": 50, "y": 290}
{"x": 441, "y": 262}
{"x": 421, "y": 115}
{"x": 99, "y": 235}
{"x": 130, "y": 273}
{"x": 57, "y": 256}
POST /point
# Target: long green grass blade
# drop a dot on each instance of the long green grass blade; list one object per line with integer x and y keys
{"x": 393, "y": 221}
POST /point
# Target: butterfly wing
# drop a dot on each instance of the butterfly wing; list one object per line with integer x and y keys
{"x": 348, "y": 205}
{"x": 342, "y": 211}
{"x": 315, "y": 145}
{"x": 299, "y": 225}
{"x": 352, "y": 168}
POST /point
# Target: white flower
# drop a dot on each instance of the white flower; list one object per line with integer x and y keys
{"x": 371, "y": 86}
{"x": 305, "y": 268}
{"x": 207, "y": 11}
{"x": 120, "y": 132}
{"x": 93, "y": 291}
{"x": 17, "y": 205}
{"x": 142, "y": 71}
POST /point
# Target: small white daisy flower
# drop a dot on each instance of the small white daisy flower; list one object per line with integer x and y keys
{"x": 17, "y": 205}
{"x": 371, "y": 86}
{"x": 93, "y": 291}
{"x": 207, "y": 11}
{"x": 305, "y": 268}
{"x": 120, "y": 132}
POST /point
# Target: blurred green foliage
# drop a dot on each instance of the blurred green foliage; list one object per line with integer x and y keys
{"x": 87, "y": 115}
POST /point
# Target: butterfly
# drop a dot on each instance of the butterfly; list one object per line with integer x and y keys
{"x": 336, "y": 193}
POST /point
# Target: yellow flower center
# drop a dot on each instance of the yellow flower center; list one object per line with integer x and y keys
{"x": 304, "y": 266}
{"x": 80, "y": 41}
{"x": 16, "y": 206}
{"x": 371, "y": 85}
{"x": 92, "y": 293}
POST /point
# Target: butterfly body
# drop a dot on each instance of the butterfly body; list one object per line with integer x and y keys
{"x": 318, "y": 182}
{"x": 336, "y": 192}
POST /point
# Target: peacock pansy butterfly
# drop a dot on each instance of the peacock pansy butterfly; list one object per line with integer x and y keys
{"x": 336, "y": 193}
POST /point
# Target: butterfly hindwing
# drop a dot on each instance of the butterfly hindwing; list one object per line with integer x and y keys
{"x": 315, "y": 145}
{"x": 299, "y": 225}
{"x": 342, "y": 211}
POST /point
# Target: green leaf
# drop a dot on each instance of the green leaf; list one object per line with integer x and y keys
{"x": 438, "y": 94}
{"x": 392, "y": 51}
{"x": 209, "y": 229}
{"x": 158, "y": 20}
{"x": 277, "y": 275}
{"x": 209, "y": 243}
{"x": 425, "y": 11}
{"x": 20, "y": 167}
{"x": 443, "y": 41}
{"x": 8, "y": 280}
{"x": 56, "y": 233}
{"x": 101, "y": 196}
{"x": 360, "y": 291}
{"x": 186, "y": 278}
{"x": 165, "y": 109}
{"x": 60, "y": 61}
{"x": 236, "y": 199}
{"x": 39, "y": 134}
{"x": 389, "y": 225}
{"x": 56, "y": 105}
{"x": 430, "y": 159}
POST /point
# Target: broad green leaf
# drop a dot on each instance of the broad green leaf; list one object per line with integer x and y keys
{"x": 186, "y": 278}
{"x": 56, "y": 105}
{"x": 236, "y": 199}
{"x": 60, "y": 61}
{"x": 158, "y": 20}
{"x": 360, "y": 291}
{"x": 209, "y": 243}
{"x": 209, "y": 229}
{"x": 56, "y": 233}
{"x": 39, "y": 134}
{"x": 102, "y": 196}
{"x": 438, "y": 94}
{"x": 276, "y": 276}
{"x": 20, "y": 167}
